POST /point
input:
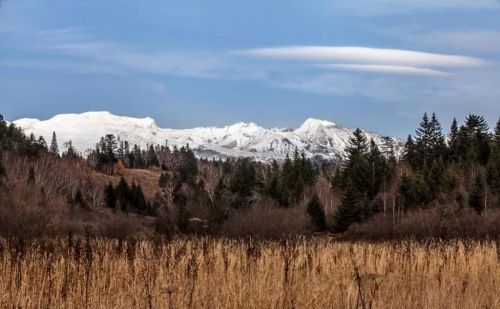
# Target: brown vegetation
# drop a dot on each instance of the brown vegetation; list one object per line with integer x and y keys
{"x": 221, "y": 273}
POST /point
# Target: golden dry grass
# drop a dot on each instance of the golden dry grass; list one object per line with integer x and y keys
{"x": 220, "y": 273}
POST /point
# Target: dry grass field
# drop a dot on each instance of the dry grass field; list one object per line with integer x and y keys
{"x": 221, "y": 273}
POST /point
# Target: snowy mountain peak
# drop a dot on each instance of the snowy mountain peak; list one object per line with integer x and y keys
{"x": 319, "y": 139}
{"x": 313, "y": 124}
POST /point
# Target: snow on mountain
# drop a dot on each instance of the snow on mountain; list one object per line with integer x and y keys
{"x": 319, "y": 139}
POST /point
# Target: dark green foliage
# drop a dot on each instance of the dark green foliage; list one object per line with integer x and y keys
{"x": 286, "y": 184}
{"x": 151, "y": 158}
{"x": 188, "y": 169}
{"x": 317, "y": 213}
{"x": 110, "y": 196}
{"x": 412, "y": 191}
{"x": 243, "y": 179}
{"x": 129, "y": 198}
{"x": 410, "y": 155}
{"x": 473, "y": 140}
{"x": 54, "y": 148}
{"x": 2, "y": 168}
{"x": 430, "y": 144}
{"x": 70, "y": 151}
{"x": 31, "y": 175}
{"x": 78, "y": 200}
{"x": 42, "y": 143}
{"x": 476, "y": 197}
{"x": 349, "y": 210}
{"x": 358, "y": 168}
{"x": 379, "y": 169}
{"x": 453, "y": 142}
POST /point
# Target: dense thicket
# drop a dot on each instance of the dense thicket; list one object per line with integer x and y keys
{"x": 457, "y": 170}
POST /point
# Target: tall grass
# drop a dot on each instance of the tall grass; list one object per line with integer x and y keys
{"x": 222, "y": 273}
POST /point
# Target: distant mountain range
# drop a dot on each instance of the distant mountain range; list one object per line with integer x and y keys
{"x": 319, "y": 139}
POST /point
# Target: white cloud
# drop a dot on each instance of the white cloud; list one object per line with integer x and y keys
{"x": 387, "y": 69}
{"x": 364, "y": 55}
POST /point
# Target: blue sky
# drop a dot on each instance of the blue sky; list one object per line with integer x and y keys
{"x": 375, "y": 64}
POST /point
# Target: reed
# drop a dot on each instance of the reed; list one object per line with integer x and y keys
{"x": 224, "y": 273}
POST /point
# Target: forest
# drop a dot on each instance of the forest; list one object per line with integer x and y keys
{"x": 444, "y": 184}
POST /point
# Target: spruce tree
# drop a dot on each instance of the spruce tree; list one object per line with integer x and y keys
{"x": 476, "y": 196}
{"x": 453, "y": 141}
{"x": 437, "y": 140}
{"x": 123, "y": 194}
{"x": 243, "y": 178}
{"x": 388, "y": 150}
{"x": 2, "y": 169}
{"x": 496, "y": 138}
{"x": 474, "y": 140}
{"x": 42, "y": 143}
{"x": 423, "y": 141}
{"x": 349, "y": 210}
{"x": 378, "y": 168}
{"x": 409, "y": 152}
{"x": 110, "y": 196}
{"x": 357, "y": 146}
{"x": 31, "y": 175}
{"x": 70, "y": 150}
{"x": 317, "y": 213}
{"x": 54, "y": 148}
{"x": 358, "y": 169}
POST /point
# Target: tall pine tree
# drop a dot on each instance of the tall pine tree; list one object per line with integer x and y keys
{"x": 54, "y": 148}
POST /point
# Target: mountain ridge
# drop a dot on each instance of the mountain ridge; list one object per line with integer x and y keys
{"x": 318, "y": 139}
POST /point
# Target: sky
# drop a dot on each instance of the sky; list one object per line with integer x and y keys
{"x": 374, "y": 64}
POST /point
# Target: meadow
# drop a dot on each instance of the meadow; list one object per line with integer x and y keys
{"x": 223, "y": 273}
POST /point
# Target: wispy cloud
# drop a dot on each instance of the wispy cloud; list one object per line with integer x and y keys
{"x": 364, "y": 55}
{"x": 387, "y": 69}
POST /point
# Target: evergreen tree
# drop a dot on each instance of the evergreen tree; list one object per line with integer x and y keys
{"x": 388, "y": 150}
{"x": 430, "y": 143}
{"x": 434, "y": 180}
{"x": 474, "y": 144}
{"x": 243, "y": 178}
{"x": 78, "y": 200}
{"x": 412, "y": 191}
{"x": 423, "y": 141}
{"x": 31, "y": 175}
{"x": 378, "y": 166}
{"x": 496, "y": 139}
{"x": 151, "y": 158}
{"x": 70, "y": 150}
{"x": 317, "y": 213}
{"x": 123, "y": 194}
{"x": 410, "y": 155}
{"x": 2, "y": 169}
{"x": 188, "y": 169}
{"x": 476, "y": 197}
{"x": 110, "y": 145}
{"x": 357, "y": 147}
{"x": 42, "y": 143}
{"x": 54, "y": 148}
{"x": 438, "y": 144}
{"x": 453, "y": 141}
{"x": 349, "y": 210}
{"x": 110, "y": 196}
{"x": 358, "y": 170}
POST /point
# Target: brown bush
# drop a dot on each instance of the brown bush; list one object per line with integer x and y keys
{"x": 444, "y": 222}
{"x": 266, "y": 222}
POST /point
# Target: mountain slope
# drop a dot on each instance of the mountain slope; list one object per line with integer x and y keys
{"x": 319, "y": 139}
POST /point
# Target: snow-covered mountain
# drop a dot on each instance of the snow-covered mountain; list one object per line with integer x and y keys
{"x": 319, "y": 139}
